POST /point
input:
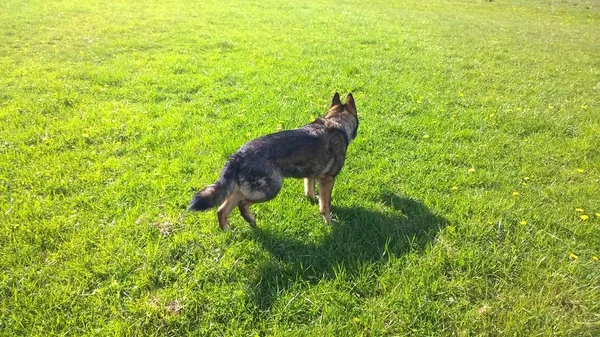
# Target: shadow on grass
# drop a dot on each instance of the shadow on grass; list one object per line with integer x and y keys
{"x": 361, "y": 238}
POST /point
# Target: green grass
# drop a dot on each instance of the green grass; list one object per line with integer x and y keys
{"x": 113, "y": 114}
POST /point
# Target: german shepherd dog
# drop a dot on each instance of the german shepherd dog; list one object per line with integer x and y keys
{"x": 255, "y": 172}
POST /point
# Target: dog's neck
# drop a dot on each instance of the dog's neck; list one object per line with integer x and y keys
{"x": 345, "y": 122}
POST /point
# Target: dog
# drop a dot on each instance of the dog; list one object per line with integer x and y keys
{"x": 255, "y": 172}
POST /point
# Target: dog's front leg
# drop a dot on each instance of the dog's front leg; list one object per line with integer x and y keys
{"x": 309, "y": 188}
{"x": 325, "y": 188}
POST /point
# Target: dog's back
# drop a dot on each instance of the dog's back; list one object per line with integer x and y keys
{"x": 312, "y": 150}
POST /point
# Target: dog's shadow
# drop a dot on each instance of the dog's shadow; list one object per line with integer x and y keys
{"x": 360, "y": 237}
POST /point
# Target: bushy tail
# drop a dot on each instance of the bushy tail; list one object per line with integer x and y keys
{"x": 213, "y": 195}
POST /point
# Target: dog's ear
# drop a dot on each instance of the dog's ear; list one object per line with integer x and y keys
{"x": 350, "y": 105}
{"x": 336, "y": 100}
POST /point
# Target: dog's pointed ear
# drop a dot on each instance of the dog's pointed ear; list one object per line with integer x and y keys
{"x": 336, "y": 100}
{"x": 350, "y": 105}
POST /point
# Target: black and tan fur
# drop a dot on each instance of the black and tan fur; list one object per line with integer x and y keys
{"x": 255, "y": 172}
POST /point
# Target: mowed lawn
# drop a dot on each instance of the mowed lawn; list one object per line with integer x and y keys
{"x": 469, "y": 203}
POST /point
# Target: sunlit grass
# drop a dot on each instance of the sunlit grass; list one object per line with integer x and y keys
{"x": 469, "y": 203}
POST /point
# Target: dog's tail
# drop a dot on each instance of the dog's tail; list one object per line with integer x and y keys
{"x": 214, "y": 194}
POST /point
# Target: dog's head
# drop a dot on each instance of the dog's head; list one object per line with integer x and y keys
{"x": 344, "y": 113}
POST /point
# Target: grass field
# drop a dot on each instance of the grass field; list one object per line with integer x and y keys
{"x": 469, "y": 203}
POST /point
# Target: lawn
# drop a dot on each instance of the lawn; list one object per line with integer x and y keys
{"x": 469, "y": 203}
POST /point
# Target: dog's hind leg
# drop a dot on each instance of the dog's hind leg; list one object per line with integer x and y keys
{"x": 257, "y": 188}
{"x": 325, "y": 188}
{"x": 309, "y": 188}
{"x": 244, "y": 207}
{"x": 261, "y": 188}
{"x": 226, "y": 207}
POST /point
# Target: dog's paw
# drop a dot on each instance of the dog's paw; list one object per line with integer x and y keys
{"x": 329, "y": 218}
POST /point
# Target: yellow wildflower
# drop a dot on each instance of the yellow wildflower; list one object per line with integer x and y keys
{"x": 580, "y": 170}
{"x": 573, "y": 256}
{"x": 578, "y": 209}
{"x": 523, "y": 222}
{"x": 584, "y": 217}
{"x": 472, "y": 170}
{"x": 515, "y": 193}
